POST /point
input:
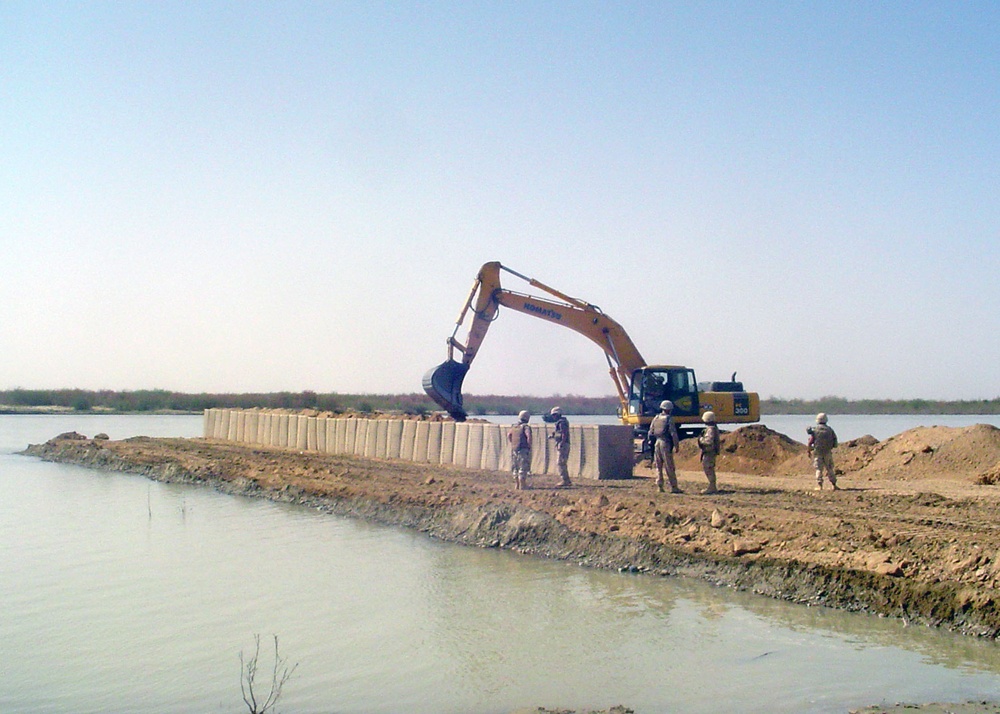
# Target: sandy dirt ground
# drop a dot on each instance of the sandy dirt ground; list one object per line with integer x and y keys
{"x": 912, "y": 533}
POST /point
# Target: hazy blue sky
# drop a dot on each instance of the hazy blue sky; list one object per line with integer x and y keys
{"x": 285, "y": 196}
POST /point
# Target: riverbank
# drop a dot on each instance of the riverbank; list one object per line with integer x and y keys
{"x": 919, "y": 543}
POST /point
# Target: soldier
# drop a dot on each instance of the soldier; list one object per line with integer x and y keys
{"x": 519, "y": 438}
{"x": 561, "y": 437}
{"x": 822, "y": 441}
{"x": 663, "y": 434}
{"x": 708, "y": 442}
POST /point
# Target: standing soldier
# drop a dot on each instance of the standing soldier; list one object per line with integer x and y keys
{"x": 519, "y": 437}
{"x": 561, "y": 436}
{"x": 708, "y": 442}
{"x": 822, "y": 440}
{"x": 663, "y": 434}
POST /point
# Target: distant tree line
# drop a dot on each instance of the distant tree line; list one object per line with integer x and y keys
{"x": 839, "y": 405}
{"x": 161, "y": 400}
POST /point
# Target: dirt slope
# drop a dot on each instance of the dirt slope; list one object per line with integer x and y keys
{"x": 969, "y": 454}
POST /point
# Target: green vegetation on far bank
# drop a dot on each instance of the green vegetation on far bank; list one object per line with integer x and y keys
{"x": 839, "y": 405}
{"x": 16, "y": 401}
{"x": 160, "y": 401}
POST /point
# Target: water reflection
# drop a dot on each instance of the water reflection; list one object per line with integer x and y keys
{"x": 659, "y": 640}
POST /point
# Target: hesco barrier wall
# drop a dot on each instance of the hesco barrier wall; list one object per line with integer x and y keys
{"x": 596, "y": 451}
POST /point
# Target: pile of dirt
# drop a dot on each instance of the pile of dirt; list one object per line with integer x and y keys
{"x": 967, "y": 453}
{"x": 351, "y": 414}
{"x": 849, "y": 458}
{"x": 752, "y": 449}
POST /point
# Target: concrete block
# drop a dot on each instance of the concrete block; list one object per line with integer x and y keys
{"x": 539, "y": 450}
{"x": 350, "y": 435}
{"x": 420, "y": 441}
{"x": 393, "y": 438}
{"x": 433, "y": 442}
{"x": 371, "y": 438}
{"x": 382, "y": 437}
{"x": 461, "y": 443}
{"x": 309, "y": 442}
{"x": 275, "y": 429}
{"x": 494, "y": 444}
{"x": 330, "y": 436}
{"x": 406, "y": 443}
{"x": 263, "y": 427}
{"x": 474, "y": 448}
{"x": 336, "y": 444}
{"x": 360, "y": 437}
{"x": 321, "y": 433}
{"x": 249, "y": 427}
{"x": 263, "y": 432}
{"x": 616, "y": 451}
{"x": 279, "y": 429}
{"x": 575, "y": 451}
{"x": 447, "y": 455}
{"x": 589, "y": 461}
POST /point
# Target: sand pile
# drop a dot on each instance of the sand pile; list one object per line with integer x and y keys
{"x": 752, "y": 449}
{"x": 971, "y": 452}
{"x": 967, "y": 453}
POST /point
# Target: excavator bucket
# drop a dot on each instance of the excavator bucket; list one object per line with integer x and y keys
{"x": 443, "y": 384}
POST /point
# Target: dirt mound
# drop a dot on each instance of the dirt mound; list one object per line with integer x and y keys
{"x": 752, "y": 449}
{"x": 968, "y": 453}
{"x": 971, "y": 452}
{"x": 352, "y": 414}
{"x": 69, "y": 436}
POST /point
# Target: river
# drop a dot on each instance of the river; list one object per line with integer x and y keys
{"x": 124, "y": 595}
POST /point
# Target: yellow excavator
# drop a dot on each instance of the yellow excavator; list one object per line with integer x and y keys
{"x": 641, "y": 387}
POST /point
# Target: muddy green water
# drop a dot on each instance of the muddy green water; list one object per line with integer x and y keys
{"x": 123, "y": 595}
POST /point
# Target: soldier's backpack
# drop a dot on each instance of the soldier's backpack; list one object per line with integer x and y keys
{"x": 522, "y": 436}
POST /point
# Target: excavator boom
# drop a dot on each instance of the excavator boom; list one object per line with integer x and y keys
{"x": 641, "y": 388}
{"x": 444, "y": 382}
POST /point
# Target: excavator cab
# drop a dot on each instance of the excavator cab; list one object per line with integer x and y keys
{"x": 443, "y": 384}
{"x": 651, "y": 385}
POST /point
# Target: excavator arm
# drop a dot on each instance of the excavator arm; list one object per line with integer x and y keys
{"x": 444, "y": 382}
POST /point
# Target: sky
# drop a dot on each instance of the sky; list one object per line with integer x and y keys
{"x": 259, "y": 197}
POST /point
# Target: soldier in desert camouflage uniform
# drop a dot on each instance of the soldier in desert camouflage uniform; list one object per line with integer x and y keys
{"x": 519, "y": 438}
{"x": 663, "y": 434}
{"x": 822, "y": 441}
{"x": 561, "y": 437}
{"x": 708, "y": 442}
